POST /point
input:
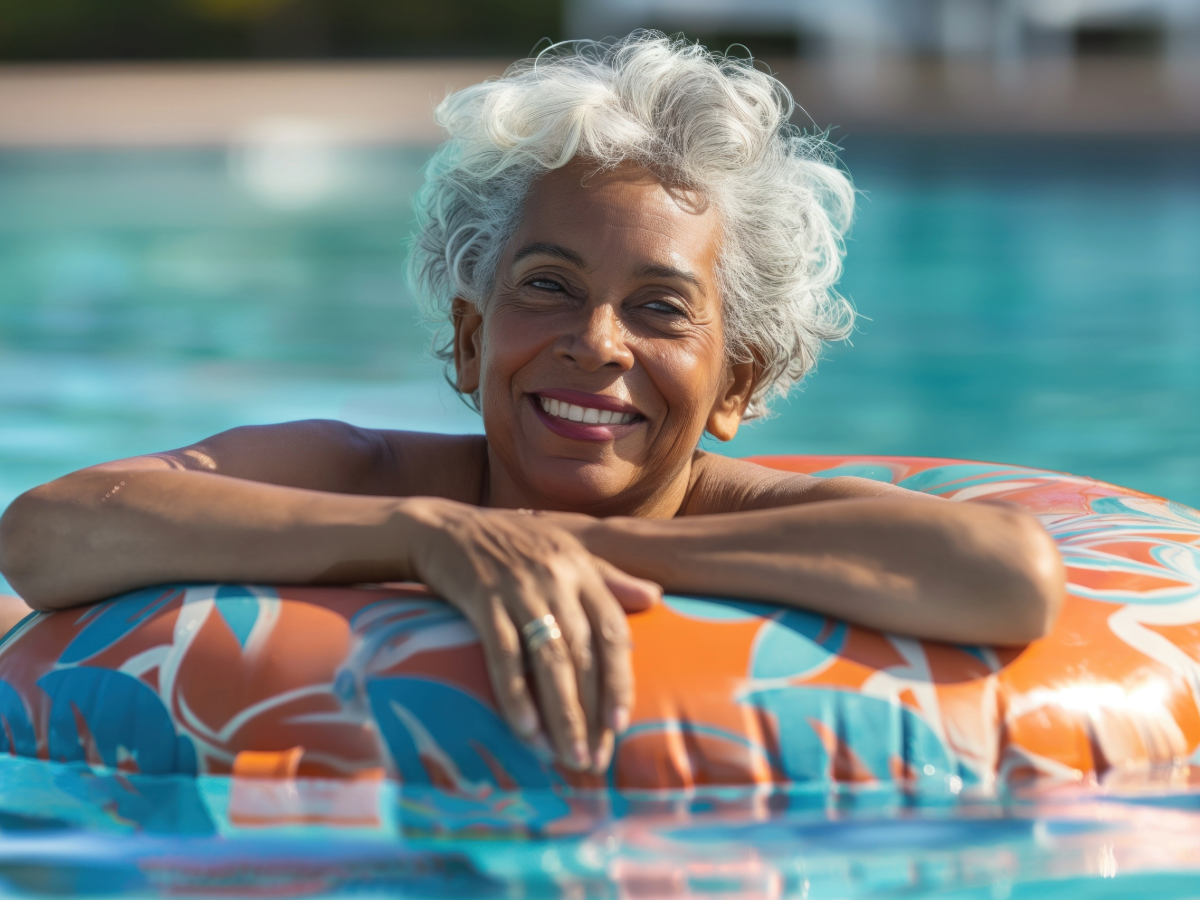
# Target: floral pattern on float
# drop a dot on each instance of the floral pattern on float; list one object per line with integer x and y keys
{"x": 389, "y": 682}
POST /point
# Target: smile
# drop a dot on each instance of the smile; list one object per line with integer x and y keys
{"x": 586, "y": 414}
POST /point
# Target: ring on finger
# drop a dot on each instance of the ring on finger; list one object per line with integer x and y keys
{"x": 540, "y": 631}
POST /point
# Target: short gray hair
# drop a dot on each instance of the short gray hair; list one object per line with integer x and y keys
{"x": 708, "y": 121}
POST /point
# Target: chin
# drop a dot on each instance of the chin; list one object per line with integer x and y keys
{"x": 577, "y": 486}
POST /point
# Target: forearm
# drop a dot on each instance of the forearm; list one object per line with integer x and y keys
{"x": 79, "y": 540}
{"x": 955, "y": 572}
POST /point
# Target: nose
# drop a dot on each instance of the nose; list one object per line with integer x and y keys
{"x": 597, "y": 341}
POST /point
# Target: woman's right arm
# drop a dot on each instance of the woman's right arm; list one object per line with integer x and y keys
{"x": 314, "y": 502}
{"x": 279, "y": 503}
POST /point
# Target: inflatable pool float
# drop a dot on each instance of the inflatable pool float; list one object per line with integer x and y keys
{"x": 389, "y": 682}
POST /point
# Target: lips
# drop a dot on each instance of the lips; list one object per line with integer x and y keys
{"x": 584, "y": 417}
{"x": 587, "y": 414}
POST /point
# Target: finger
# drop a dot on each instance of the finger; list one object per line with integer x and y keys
{"x": 576, "y": 629}
{"x": 633, "y": 593}
{"x": 558, "y": 695}
{"x": 506, "y": 669}
{"x": 602, "y": 755}
{"x": 610, "y": 636}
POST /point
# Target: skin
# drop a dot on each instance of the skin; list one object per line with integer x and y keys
{"x": 606, "y": 294}
{"x": 628, "y": 310}
{"x": 12, "y": 610}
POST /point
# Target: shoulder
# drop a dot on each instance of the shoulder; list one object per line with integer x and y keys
{"x": 428, "y": 464}
{"x": 721, "y": 484}
{"x": 327, "y": 455}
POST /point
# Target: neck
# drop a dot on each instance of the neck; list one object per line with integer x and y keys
{"x": 662, "y": 500}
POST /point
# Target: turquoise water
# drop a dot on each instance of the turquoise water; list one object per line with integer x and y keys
{"x": 1024, "y": 301}
{"x": 1027, "y": 301}
{"x": 1033, "y": 302}
{"x": 70, "y": 831}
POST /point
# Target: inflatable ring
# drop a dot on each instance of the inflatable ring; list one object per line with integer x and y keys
{"x": 389, "y": 682}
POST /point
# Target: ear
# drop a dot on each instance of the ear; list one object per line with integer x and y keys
{"x": 731, "y": 404}
{"x": 467, "y": 335}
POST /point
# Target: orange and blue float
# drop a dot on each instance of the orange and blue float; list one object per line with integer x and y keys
{"x": 387, "y": 684}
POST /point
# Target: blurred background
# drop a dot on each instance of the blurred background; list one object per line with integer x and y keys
{"x": 204, "y": 209}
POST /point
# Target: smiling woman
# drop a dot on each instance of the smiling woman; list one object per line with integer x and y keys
{"x": 614, "y": 277}
{"x": 631, "y": 247}
{"x": 712, "y": 136}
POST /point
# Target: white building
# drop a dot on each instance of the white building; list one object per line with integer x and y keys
{"x": 1006, "y": 30}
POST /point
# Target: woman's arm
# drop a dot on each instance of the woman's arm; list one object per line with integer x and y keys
{"x": 272, "y": 503}
{"x": 12, "y": 611}
{"x": 100, "y": 532}
{"x": 307, "y": 502}
{"x": 959, "y": 572}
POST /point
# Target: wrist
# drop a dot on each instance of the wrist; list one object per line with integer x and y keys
{"x": 412, "y": 523}
{"x": 618, "y": 539}
{"x": 575, "y": 524}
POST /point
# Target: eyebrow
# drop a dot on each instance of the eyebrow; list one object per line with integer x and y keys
{"x": 656, "y": 271}
{"x": 653, "y": 270}
{"x": 557, "y": 250}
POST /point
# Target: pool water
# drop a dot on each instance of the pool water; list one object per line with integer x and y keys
{"x": 72, "y": 831}
{"x": 1025, "y": 301}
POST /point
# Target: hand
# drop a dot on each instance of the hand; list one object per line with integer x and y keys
{"x": 503, "y": 570}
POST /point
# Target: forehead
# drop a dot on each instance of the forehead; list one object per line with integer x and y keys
{"x": 627, "y": 213}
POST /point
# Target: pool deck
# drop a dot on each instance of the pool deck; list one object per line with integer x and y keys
{"x": 166, "y": 105}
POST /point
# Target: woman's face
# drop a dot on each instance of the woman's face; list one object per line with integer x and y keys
{"x": 601, "y": 357}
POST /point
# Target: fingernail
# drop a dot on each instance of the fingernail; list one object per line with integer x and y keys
{"x": 620, "y": 720}
{"x": 526, "y": 722}
{"x": 541, "y": 747}
{"x": 603, "y": 755}
{"x": 579, "y": 753}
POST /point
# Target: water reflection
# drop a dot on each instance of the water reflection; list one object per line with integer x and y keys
{"x": 74, "y": 830}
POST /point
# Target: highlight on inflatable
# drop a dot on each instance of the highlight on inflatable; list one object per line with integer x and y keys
{"x": 381, "y": 684}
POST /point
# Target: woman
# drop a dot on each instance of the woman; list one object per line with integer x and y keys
{"x": 632, "y": 247}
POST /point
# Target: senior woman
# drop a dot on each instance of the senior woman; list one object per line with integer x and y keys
{"x": 631, "y": 247}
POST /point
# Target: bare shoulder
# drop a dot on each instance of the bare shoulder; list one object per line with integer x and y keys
{"x": 328, "y": 455}
{"x": 433, "y": 465}
{"x": 721, "y": 484}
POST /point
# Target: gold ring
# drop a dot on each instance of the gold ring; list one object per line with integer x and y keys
{"x": 539, "y": 632}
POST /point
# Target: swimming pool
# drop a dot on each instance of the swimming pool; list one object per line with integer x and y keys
{"x": 1029, "y": 301}
{"x": 69, "y": 831}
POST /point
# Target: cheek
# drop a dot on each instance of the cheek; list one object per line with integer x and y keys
{"x": 508, "y": 344}
{"x": 686, "y": 376}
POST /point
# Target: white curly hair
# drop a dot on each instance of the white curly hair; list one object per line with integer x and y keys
{"x": 704, "y": 120}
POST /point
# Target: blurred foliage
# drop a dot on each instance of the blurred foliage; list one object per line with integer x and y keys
{"x": 238, "y": 9}
{"x": 34, "y": 30}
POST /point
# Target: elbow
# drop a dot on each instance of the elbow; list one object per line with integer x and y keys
{"x": 1034, "y": 583}
{"x": 24, "y": 561}
{"x": 15, "y": 550}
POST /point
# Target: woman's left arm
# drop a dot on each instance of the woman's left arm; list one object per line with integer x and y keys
{"x": 959, "y": 572}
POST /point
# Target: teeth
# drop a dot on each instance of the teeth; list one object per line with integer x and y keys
{"x": 584, "y": 414}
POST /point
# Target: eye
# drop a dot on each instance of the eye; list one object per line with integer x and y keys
{"x": 546, "y": 284}
{"x": 663, "y": 306}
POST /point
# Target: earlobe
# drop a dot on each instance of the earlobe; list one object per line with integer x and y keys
{"x": 467, "y": 322}
{"x": 727, "y": 412}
